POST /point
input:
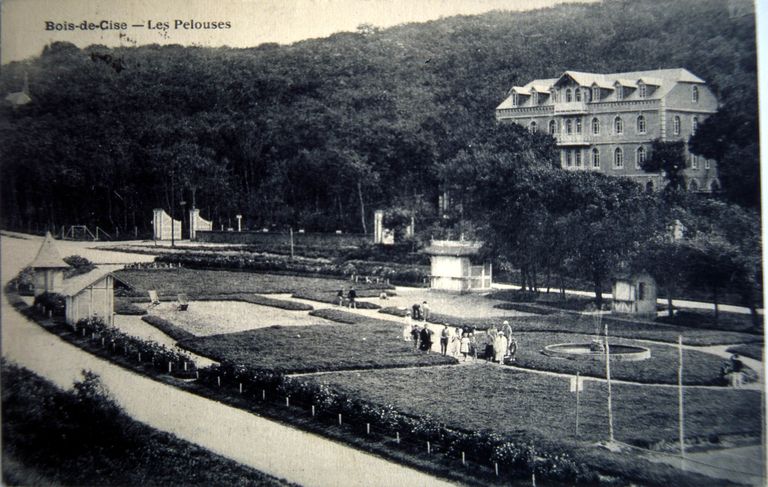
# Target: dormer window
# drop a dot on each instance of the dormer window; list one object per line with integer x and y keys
{"x": 514, "y": 99}
{"x": 577, "y": 94}
{"x": 534, "y": 98}
{"x": 595, "y": 93}
{"x": 553, "y": 95}
{"x": 619, "y": 92}
{"x": 642, "y": 90}
{"x": 695, "y": 94}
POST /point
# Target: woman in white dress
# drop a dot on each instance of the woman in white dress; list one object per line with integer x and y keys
{"x": 407, "y": 327}
{"x": 499, "y": 347}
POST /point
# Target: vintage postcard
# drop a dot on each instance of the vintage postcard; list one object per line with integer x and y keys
{"x": 381, "y": 242}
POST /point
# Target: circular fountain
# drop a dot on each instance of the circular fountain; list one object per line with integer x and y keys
{"x": 596, "y": 351}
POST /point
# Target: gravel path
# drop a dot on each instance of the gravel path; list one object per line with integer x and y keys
{"x": 278, "y": 450}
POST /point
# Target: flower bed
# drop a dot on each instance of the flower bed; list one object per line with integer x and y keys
{"x": 315, "y": 348}
{"x": 162, "y": 359}
{"x": 173, "y": 331}
{"x": 124, "y": 306}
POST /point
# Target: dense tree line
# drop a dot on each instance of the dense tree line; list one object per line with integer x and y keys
{"x": 320, "y": 133}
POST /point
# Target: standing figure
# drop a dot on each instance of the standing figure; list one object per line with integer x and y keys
{"x": 426, "y": 339}
{"x": 506, "y": 329}
{"x": 416, "y": 310}
{"x": 407, "y": 326}
{"x": 454, "y": 348}
{"x": 445, "y": 337}
{"x": 340, "y": 296}
{"x": 415, "y": 335}
{"x": 465, "y": 346}
{"x": 352, "y": 296}
{"x": 424, "y": 311}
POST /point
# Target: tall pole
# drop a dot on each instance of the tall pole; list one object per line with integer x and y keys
{"x": 173, "y": 205}
{"x": 577, "y": 404}
{"x": 608, "y": 376}
{"x": 291, "y": 228}
{"x": 680, "y": 396}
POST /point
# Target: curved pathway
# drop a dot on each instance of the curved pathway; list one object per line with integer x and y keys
{"x": 265, "y": 445}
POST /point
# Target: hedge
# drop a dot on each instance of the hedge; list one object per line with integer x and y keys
{"x": 167, "y": 327}
{"x": 330, "y": 298}
{"x": 51, "y": 301}
{"x": 255, "y": 299}
{"x": 124, "y": 306}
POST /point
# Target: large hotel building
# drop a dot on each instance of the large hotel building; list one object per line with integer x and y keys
{"x": 606, "y": 122}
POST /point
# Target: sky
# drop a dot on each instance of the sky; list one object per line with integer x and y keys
{"x": 26, "y": 26}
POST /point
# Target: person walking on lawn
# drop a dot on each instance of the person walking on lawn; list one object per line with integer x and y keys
{"x": 445, "y": 337}
{"x": 352, "y": 296}
{"x": 407, "y": 326}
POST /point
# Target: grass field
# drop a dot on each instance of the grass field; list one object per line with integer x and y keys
{"x": 316, "y": 348}
{"x": 522, "y": 404}
{"x": 699, "y": 368}
{"x": 52, "y": 437}
{"x": 587, "y": 324}
{"x": 170, "y": 282}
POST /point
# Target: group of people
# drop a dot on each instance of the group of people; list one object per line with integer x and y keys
{"x": 462, "y": 342}
{"x": 501, "y": 344}
{"x": 419, "y": 312}
{"x": 351, "y": 297}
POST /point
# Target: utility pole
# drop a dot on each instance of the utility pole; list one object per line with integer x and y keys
{"x": 608, "y": 376}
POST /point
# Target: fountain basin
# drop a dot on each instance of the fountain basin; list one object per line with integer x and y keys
{"x": 579, "y": 351}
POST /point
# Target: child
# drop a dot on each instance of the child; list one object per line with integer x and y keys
{"x": 465, "y": 348}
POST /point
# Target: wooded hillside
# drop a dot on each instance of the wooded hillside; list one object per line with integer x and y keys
{"x": 320, "y": 133}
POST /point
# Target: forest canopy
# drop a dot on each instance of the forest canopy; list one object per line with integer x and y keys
{"x": 320, "y": 133}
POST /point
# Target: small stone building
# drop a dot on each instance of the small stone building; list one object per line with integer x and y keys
{"x": 49, "y": 268}
{"x": 634, "y": 294}
{"x": 451, "y": 267}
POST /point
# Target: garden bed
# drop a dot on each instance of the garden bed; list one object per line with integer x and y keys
{"x": 167, "y": 327}
{"x": 589, "y": 324}
{"x": 700, "y": 368}
{"x": 124, "y": 306}
{"x": 49, "y": 438}
{"x": 525, "y": 405}
{"x": 751, "y": 350}
{"x": 199, "y": 282}
{"x": 316, "y": 348}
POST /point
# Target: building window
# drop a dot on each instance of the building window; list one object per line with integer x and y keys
{"x": 568, "y": 95}
{"x": 532, "y": 127}
{"x": 534, "y": 98}
{"x": 596, "y": 158}
{"x": 641, "y": 291}
{"x": 552, "y": 127}
{"x": 694, "y": 125}
{"x": 578, "y": 158}
{"x": 514, "y": 99}
{"x": 578, "y": 125}
{"x": 568, "y": 127}
{"x": 642, "y": 91}
{"x": 640, "y": 159}
{"x": 619, "y": 92}
{"x": 577, "y": 94}
{"x": 618, "y": 126}
{"x": 694, "y": 186}
{"x": 618, "y": 158}
{"x": 595, "y": 93}
{"x": 595, "y": 126}
{"x": 706, "y": 164}
{"x": 695, "y": 94}
{"x": 568, "y": 162}
{"x": 641, "y": 124}
{"x": 677, "y": 125}
{"x": 694, "y": 161}
{"x": 587, "y": 95}
{"x": 553, "y": 94}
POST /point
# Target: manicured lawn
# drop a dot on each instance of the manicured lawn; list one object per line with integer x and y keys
{"x": 50, "y": 437}
{"x": 752, "y": 350}
{"x": 522, "y": 404}
{"x": 573, "y": 323}
{"x": 699, "y": 368}
{"x": 193, "y": 282}
{"x": 316, "y": 348}
{"x": 332, "y": 298}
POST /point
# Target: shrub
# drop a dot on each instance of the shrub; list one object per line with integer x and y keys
{"x": 126, "y": 307}
{"x": 167, "y": 327}
{"x": 24, "y": 282}
{"x": 79, "y": 265}
{"x": 51, "y": 301}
